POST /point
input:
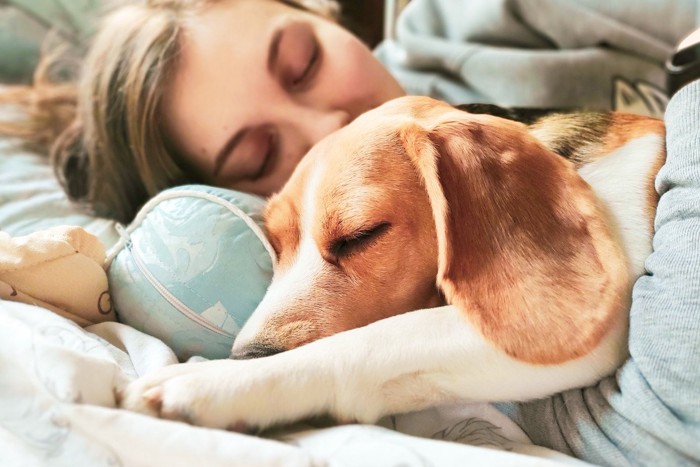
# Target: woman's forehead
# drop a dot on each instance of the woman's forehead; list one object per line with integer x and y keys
{"x": 222, "y": 51}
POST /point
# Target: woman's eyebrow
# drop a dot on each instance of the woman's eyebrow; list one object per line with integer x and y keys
{"x": 227, "y": 149}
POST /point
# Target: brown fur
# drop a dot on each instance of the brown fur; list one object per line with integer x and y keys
{"x": 525, "y": 248}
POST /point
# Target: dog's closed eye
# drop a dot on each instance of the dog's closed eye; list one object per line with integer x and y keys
{"x": 357, "y": 241}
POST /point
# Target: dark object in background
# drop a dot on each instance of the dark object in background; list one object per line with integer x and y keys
{"x": 365, "y": 18}
{"x": 682, "y": 67}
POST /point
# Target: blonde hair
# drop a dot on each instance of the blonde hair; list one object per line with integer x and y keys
{"x": 110, "y": 153}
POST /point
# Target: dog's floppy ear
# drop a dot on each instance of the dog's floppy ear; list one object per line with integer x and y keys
{"x": 524, "y": 248}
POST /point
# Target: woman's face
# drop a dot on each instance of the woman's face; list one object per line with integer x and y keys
{"x": 258, "y": 83}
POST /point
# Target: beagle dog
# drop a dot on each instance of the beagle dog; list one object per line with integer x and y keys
{"x": 428, "y": 255}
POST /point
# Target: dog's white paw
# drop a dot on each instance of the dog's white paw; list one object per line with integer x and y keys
{"x": 167, "y": 393}
{"x": 234, "y": 395}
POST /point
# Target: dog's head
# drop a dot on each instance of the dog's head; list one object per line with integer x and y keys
{"x": 416, "y": 203}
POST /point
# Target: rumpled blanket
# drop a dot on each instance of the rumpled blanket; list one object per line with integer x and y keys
{"x": 57, "y": 408}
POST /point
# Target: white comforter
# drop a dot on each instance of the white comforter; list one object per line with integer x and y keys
{"x": 57, "y": 408}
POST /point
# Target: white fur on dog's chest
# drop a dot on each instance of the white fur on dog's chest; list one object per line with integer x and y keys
{"x": 621, "y": 180}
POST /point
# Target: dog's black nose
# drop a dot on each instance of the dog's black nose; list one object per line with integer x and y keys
{"x": 255, "y": 350}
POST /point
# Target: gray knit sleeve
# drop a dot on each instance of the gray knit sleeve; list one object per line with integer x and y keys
{"x": 648, "y": 413}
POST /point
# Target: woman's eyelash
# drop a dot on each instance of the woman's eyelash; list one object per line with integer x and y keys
{"x": 309, "y": 66}
{"x": 268, "y": 157}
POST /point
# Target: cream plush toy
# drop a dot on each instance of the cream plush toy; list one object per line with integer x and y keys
{"x": 60, "y": 268}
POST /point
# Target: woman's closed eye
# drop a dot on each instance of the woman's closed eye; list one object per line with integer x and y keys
{"x": 298, "y": 56}
{"x": 302, "y": 76}
{"x": 269, "y": 156}
{"x": 254, "y": 156}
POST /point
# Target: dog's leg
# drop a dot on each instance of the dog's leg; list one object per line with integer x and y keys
{"x": 399, "y": 364}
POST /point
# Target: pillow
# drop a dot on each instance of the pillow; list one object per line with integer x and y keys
{"x": 191, "y": 268}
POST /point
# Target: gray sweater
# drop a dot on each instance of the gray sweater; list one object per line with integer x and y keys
{"x": 599, "y": 54}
